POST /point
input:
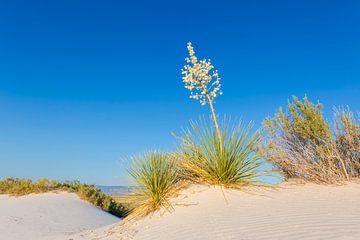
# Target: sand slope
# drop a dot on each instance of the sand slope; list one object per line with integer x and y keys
{"x": 48, "y": 216}
{"x": 290, "y": 212}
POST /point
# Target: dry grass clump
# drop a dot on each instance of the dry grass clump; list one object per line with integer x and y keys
{"x": 156, "y": 176}
{"x": 230, "y": 161}
{"x": 89, "y": 193}
{"x": 302, "y": 144}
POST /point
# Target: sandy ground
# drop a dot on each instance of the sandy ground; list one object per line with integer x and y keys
{"x": 48, "y": 216}
{"x": 289, "y": 212}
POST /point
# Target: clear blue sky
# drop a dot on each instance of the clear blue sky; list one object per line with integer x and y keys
{"x": 84, "y": 84}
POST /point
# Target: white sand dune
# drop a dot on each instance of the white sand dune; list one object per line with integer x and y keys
{"x": 291, "y": 212}
{"x": 48, "y": 216}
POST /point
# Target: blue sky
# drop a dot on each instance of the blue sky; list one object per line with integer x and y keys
{"x": 84, "y": 84}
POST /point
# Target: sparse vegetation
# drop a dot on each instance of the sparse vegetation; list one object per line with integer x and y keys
{"x": 302, "y": 144}
{"x": 231, "y": 162}
{"x": 157, "y": 176}
{"x": 210, "y": 154}
{"x": 126, "y": 201}
{"x": 89, "y": 193}
{"x": 347, "y": 137}
{"x": 299, "y": 142}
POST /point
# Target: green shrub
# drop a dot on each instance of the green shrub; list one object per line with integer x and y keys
{"x": 19, "y": 187}
{"x": 303, "y": 120}
{"x": 347, "y": 133}
{"x": 231, "y": 162}
{"x": 302, "y": 144}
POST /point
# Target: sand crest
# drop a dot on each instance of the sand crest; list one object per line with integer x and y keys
{"x": 291, "y": 212}
{"x": 48, "y": 216}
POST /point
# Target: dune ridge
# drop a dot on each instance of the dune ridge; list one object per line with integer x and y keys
{"x": 291, "y": 211}
{"x": 48, "y": 216}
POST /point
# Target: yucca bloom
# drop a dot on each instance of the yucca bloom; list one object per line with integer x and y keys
{"x": 203, "y": 82}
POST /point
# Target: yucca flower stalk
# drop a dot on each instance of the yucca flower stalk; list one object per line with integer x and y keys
{"x": 203, "y": 82}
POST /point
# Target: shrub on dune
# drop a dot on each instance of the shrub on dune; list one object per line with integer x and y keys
{"x": 347, "y": 135}
{"x": 156, "y": 176}
{"x": 19, "y": 187}
{"x": 96, "y": 197}
{"x": 303, "y": 145}
{"x": 231, "y": 162}
{"x": 297, "y": 138}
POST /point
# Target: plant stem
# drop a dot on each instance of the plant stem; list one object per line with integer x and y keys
{"x": 344, "y": 169}
{"x": 215, "y": 121}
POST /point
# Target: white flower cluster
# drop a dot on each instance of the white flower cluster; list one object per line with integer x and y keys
{"x": 200, "y": 78}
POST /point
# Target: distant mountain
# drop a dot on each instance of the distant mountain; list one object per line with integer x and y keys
{"x": 115, "y": 190}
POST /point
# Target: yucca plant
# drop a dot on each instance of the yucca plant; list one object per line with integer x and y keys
{"x": 203, "y": 82}
{"x": 231, "y": 162}
{"x": 157, "y": 176}
{"x": 211, "y": 153}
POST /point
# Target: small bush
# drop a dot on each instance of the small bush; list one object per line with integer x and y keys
{"x": 347, "y": 135}
{"x": 231, "y": 162}
{"x": 157, "y": 177}
{"x": 302, "y": 145}
{"x": 302, "y": 120}
{"x": 18, "y": 187}
{"x": 89, "y": 193}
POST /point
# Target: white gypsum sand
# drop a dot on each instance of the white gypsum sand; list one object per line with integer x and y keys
{"x": 48, "y": 216}
{"x": 290, "y": 212}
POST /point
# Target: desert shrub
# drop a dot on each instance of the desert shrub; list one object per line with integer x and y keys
{"x": 71, "y": 186}
{"x": 347, "y": 135}
{"x": 302, "y": 145}
{"x": 95, "y": 196}
{"x": 303, "y": 120}
{"x": 231, "y": 162}
{"x": 5, "y": 185}
{"x": 156, "y": 176}
{"x": 18, "y": 187}
{"x": 126, "y": 201}
{"x": 89, "y": 193}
